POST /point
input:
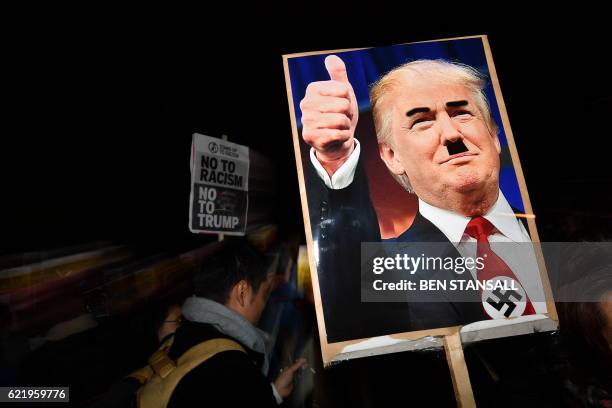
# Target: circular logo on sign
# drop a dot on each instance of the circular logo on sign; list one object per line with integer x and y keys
{"x": 213, "y": 147}
{"x": 505, "y": 297}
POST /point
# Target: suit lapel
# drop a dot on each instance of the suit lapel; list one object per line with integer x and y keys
{"x": 470, "y": 309}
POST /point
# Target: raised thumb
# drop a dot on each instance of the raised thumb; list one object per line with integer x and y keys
{"x": 336, "y": 68}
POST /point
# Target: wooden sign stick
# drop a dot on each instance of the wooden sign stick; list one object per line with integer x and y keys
{"x": 458, "y": 370}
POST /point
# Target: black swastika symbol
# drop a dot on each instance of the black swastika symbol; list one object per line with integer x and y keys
{"x": 504, "y": 299}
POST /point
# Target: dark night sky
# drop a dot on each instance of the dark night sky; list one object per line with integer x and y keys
{"x": 104, "y": 114}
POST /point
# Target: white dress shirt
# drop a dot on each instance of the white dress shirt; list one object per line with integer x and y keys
{"x": 505, "y": 241}
{"x": 343, "y": 177}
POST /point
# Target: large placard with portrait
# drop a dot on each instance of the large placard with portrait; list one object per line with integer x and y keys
{"x": 416, "y": 211}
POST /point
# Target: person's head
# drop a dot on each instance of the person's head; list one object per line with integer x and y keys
{"x": 419, "y": 109}
{"x": 236, "y": 277}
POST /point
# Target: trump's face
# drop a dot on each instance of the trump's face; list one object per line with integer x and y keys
{"x": 427, "y": 116}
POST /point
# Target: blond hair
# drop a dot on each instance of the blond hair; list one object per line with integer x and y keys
{"x": 441, "y": 70}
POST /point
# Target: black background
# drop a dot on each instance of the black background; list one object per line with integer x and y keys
{"x": 104, "y": 109}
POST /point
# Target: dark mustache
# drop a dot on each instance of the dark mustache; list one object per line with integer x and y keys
{"x": 456, "y": 147}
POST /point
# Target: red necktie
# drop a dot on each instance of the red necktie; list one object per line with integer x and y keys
{"x": 498, "y": 302}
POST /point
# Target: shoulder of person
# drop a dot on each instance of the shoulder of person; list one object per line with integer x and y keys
{"x": 226, "y": 379}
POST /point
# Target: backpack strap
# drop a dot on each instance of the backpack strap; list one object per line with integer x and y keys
{"x": 159, "y": 363}
{"x": 156, "y": 392}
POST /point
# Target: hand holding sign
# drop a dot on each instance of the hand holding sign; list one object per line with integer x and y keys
{"x": 329, "y": 116}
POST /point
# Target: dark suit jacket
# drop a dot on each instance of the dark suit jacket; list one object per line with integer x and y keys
{"x": 442, "y": 308}
{"x": 341, "y": 220}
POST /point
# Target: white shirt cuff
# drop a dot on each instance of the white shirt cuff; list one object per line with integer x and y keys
{"x": 277, "y": 396}
{"x": 343, "y": 177}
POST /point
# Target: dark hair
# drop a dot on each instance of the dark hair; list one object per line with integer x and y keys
{"x": 236, "y": 261}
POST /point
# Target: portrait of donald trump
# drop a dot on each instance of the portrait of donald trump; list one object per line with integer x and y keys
{"x": 420, "y": 161}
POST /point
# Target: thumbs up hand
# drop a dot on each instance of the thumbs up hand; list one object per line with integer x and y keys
{"x": 329, "y": 116}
